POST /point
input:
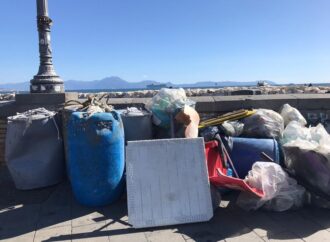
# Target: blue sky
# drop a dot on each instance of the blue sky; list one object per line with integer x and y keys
{"x": 171, "y": 40}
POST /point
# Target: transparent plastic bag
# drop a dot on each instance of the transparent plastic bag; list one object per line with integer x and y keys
{"x": 319, "y": 133}
{"x": 228, "y": 129}
{"x": 290, "y": 197}
{"x": 233, "y": 128}
{"x": 292, "y": 114}
{"x": 280, "y": 191}
{"x": 167, "y": 101}
{"x": 294, "y": 131}
{"x": 264, "y": 123}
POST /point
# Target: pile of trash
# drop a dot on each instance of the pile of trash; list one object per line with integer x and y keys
{"x": 302, "y": 175}
{"x": 265, "y": 148}
{"x": 168, "y": 158}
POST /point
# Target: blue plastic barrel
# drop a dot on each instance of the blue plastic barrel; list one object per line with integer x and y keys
{"x": 95, "y": 159}
{"x": 246, "y": 151}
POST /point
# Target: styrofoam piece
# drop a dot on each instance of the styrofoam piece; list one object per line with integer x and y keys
{"x": 167, "y": 182}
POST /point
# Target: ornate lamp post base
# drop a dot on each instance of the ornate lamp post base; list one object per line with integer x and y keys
{"x": 46, "y": 84}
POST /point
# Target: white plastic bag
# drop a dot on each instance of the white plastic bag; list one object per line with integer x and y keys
{"x": 264, "y": 123}
{"x": 292, "y": 114}
{"x": 280, "y": 191}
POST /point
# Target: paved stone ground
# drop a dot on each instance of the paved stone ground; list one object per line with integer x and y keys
{"x": 52, "y": 214}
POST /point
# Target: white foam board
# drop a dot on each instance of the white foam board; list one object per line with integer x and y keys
{"x": 167, "y": 182}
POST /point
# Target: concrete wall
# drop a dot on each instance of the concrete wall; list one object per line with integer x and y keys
{"x": 315, "y": 107}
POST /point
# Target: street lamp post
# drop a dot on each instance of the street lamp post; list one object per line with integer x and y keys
{"x": 46, "y": 81}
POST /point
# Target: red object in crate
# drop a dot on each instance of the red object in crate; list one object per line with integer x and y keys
{"x": 217, "y": 172}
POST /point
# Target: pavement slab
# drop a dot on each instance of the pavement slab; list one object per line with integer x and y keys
{"x": 136, "y": 237}
{"x": 95, "y": 232}
{"x": 17, "y": 236}
{"x": 165, "y": 235}
{"x": 54, "y": 234}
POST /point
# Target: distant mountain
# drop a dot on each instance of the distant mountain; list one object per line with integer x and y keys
{"x": 107, "y": 83}
{"x": 115, "y": 82}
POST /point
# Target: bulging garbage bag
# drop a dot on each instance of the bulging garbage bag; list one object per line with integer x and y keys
{"x": 281, "y": 192}
{"x": 264, "y": 123}
{"x": 34, "y": 149}
{"x": 310, "y": 163}
{"x": 292, "y": 114}
{"x": 307, "y": 156}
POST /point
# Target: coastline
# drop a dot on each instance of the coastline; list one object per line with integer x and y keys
{"x": 222, "y": 91}
{"x": 197, "y": 92}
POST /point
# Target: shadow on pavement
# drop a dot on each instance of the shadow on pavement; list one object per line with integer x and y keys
{"x": 22, "y": 212}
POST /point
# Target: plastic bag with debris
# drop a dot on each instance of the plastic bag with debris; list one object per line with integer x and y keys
{"x": 167, "y": 101}
{"x": 264, "y": 123}
{"x": 292, "y": 114}
{"x": 280, "y": 191}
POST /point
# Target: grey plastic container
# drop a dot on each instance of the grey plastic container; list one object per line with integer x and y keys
{"x": 34, "y": 149}
{"x": 137, "y": 126}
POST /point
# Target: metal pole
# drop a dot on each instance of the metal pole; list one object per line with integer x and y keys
{"x": 46, "y": 81}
